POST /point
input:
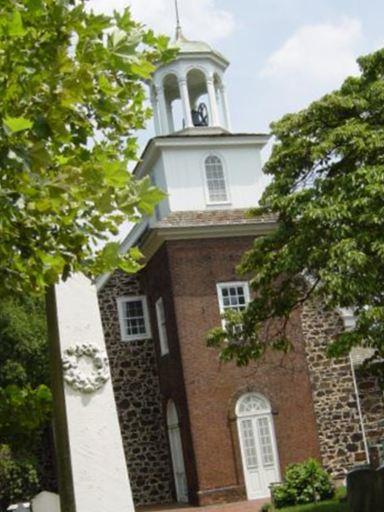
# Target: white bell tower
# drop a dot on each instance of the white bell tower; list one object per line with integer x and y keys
{"x": 195, "y": 157}
{"x": 189, "y": 92}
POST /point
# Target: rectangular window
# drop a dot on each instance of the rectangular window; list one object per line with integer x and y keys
{"x": 233, "y": 296}
{"x": 133, "y": 318}
{"x": 161, "y": 326}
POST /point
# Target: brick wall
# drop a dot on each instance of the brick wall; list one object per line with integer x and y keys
{"x": 158, "y": 282}
{"x": 313, "y": 399}
{"x": 212, "y": 388}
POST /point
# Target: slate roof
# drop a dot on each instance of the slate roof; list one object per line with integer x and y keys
{"x": 212, "y": 218}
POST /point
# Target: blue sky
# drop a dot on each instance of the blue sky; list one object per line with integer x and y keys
{"x": 283, "y": 53}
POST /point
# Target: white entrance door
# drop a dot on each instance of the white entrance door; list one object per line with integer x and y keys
{"x": 258, "y": 445}
{"x": 177, "y": 453}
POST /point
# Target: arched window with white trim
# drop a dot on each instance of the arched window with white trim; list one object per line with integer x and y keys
{"x": 258, "y": 444}
{"x": 215, "y": 180}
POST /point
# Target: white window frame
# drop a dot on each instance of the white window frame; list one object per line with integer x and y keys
{"x": 219, "y": 288}
{"x": 162, "y": 326}
{"x": 209, "y": 202}
{"x": 120, "y": 307}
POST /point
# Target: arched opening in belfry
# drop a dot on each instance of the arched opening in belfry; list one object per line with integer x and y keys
{"x": 174, "y": 111}
{"x": 198, "y": 97}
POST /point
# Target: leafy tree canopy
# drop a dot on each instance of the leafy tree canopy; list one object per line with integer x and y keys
{"x": 327, "y": 194}
{"x": 25, "y": 398}
{"x": 71, "y": 89}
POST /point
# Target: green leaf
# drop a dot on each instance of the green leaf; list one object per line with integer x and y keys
{"x": 69, "y": 121}
{"x": 111, "y": 254}
{"x": 143, "y": 69}
{"x": 17, "y": 124}
{"x": 118, "y": 37}
{"x": 15, "y": 25}
{"x": 115, "y": 174}
{"x": 149, "y": 196}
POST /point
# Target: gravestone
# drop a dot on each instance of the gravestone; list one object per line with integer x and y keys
{"x": 46, "y": 502}
{"x": 365, "y": 488}
{"x": 19, "y": 507}
{"x": 91, "y": 463}
{"x": 361, "y": 489}
{"x": 380, "y": 487}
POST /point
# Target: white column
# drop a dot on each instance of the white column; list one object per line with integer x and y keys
{"x": 155, "y": 108}
{"x": 92, "y": 468}
{"x": 224, "y": 102}
{"x": 171, "y": 125}
{"x": 215, "y": 121}
{"x": 163, "y": 110}
{"x": 185, "y": 102}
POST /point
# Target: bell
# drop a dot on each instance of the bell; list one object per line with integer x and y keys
{"x": 200, "y": 115}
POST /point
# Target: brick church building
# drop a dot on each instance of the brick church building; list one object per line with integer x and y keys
{"x": 196, "y": 430}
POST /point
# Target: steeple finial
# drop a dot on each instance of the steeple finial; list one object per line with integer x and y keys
{"x": 179, "y": 34}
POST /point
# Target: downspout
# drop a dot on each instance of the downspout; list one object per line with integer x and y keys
{"x": 359, "y": 411}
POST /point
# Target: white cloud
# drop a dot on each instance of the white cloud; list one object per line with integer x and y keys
{"x": 312, "y": 62}
{"x": 323, "y": 53}
{"x": 201, "y": 19}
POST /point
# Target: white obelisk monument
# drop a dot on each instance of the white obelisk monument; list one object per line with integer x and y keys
{"x": 91, "y": 463}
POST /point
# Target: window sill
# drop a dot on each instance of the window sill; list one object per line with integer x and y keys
{"x": 136, "y": 338}
{"x": 220, "y": 203}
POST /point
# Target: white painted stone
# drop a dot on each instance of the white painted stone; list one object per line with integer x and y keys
{"x": 46, "y": 502}
{"x": 92, "y": 467}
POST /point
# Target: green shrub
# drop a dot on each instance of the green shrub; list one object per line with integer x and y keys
{"x": 306, "y": 482}
{"x": 18, "y": 478}
{"x": 267, "y": 507}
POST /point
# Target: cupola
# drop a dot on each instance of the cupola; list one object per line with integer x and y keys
{"x": 189, "y": 92}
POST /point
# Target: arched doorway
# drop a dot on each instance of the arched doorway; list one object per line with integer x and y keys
{"x": 177, "y": 453}
{"x": 258, "y": 444}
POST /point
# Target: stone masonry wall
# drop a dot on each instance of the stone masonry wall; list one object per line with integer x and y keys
{"x": 136, "y": 387}
{"x": 339, "y": 428}
{"x": 372, "y": 407}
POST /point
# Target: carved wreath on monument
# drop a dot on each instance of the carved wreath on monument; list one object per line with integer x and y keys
{"x": 81, "y": 378}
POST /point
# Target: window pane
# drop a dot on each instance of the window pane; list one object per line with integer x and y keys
{"x": 265, "y": 442}
{"x": 233, "y": 297}
{"x": 217, "y": 189}
{"x": 134, "y": 308}
{"x": 249, "y": 444}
